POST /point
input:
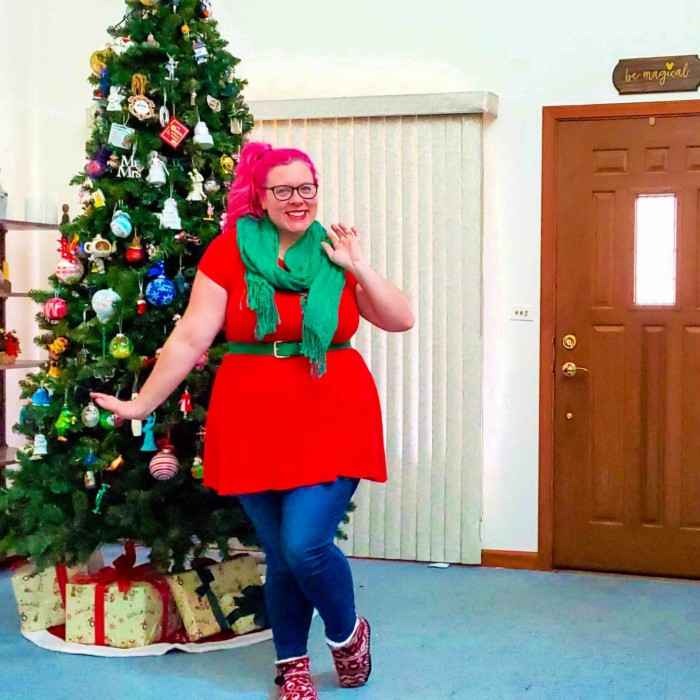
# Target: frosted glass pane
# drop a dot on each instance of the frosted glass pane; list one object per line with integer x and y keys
{"x": 655, "y": 250}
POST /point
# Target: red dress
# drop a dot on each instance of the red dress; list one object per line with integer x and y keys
{"x": 270, "y": 424}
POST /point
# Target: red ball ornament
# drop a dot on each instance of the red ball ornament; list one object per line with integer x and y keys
{"x": 55, "y": 309}
{"x": 164, "y": 465}
{"x": 135, "y": 252}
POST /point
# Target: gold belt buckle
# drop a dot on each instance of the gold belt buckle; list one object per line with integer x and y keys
{"x": 274, "y": 351}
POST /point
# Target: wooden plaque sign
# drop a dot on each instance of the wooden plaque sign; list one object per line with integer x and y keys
{"x": 633, "y": 76}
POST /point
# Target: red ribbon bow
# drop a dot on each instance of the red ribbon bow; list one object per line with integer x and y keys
{"x": 124, "y": 574}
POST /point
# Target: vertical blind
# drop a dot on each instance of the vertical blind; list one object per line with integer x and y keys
{"x": 412, "y": 185}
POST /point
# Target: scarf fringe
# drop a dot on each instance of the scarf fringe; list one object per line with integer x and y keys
{"x": 313, "y": 348}
{"x": 261, "y": 300}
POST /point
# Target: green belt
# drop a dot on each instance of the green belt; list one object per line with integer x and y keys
{"x": 280, "y": 348}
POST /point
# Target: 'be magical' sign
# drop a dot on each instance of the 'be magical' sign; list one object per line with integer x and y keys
{"x": 633, "y": 76}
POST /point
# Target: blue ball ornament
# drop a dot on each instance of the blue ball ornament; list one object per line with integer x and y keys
{"x": 160, "y": 290}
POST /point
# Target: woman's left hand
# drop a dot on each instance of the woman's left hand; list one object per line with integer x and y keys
{"x": 346, "y": 250}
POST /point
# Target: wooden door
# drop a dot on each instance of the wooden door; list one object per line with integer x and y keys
{"x": 627, "y": 432}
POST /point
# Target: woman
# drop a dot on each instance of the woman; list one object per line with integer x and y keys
{"x": 294, "y": 420}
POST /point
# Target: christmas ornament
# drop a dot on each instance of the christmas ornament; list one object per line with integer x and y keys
{"x": 98, "y": 199}
{"x": 160, "y": 291}
{"x": 121, "y": 225}
{"x": 40, "y": 446}
{"x": 97, "y": 61}
{"x": 115, "y": 99}
{"x": 188, "y": 238}
{"x": 121, "y": 44}
{"x": 98, "y": 163}
{"x": 185, "y": 31}
{"x": 69, "y": 269}
{"x": 202, "y": 362}
{"x": 149, "y": 443}
{"x": 202, "y": 138}
{"x": 214, "y": 103}
{"x": 210, "y": 212}
{"x": 174, "y": 133}
{"x": 65, "y": 420}
{"x": 163, "y": 113}
{"x": 107, "y": 420}
{"x": 211, "y": 186}
{"x": 227, "y": 164}
{"x": 151, "y": 41}
{"x": 99, "y": 497}
{"x": 130, "y": 167}
{"x": 201, "y": 54}
{"x": 135, "y": 252}
{"x": 197, "y": 470}
{"x": 115, "y": 464}
{"x": 55, "y": 309}
{"x": 98, "y": 249}
{"x": 56, "y": 348}
{"x": 157, "y": 172}
{"x": 41, "y": 397}
{"x": 113, "y": 162}
{"x": 170, "y": 218}
{"x": 90, "y": 415}
{"x": 205, "y": 9}
{"x": 136, "y": 424}
{"x": 149, "y": 3}
{"x": 141, "y": 305}
{"x": 121, "y": 136}
{"x": 121, "y": 346}
{"x": 90, "y": 459}
{"x": 185, "y": 403}
{"x": 236, "y": 126}
{"x": 196, "y": 194}
{"x": 180, "y": 282}
{"x": 164, "y": 465}
{"x": 176, "y": 4}
{"x": 89, "y": 480}
{"x": 139, "y": 105}
{"x": 170, "y": 67}
{"x": 103, "y": 303}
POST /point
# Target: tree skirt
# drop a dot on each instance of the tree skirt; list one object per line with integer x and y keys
{"x": 53, "y": 640}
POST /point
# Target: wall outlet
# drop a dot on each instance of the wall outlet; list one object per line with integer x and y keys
{"x": 522, "y": 313}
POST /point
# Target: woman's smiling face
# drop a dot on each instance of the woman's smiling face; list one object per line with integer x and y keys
{"x": 295, "y": 214}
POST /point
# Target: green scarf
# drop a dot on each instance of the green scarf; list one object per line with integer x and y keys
{"x": 309, "y": 270}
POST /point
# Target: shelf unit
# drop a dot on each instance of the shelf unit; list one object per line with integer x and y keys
{"x": 8, "y": 455}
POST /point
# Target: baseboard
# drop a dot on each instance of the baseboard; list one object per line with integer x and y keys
{"x": 505, "y": 559}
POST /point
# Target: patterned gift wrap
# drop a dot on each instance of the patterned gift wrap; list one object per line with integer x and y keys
{"x": 41, "y": 595}
{"x": 122, "y": 605}
{"x": 205, "y": 596}
{"x": 98, "y": 614}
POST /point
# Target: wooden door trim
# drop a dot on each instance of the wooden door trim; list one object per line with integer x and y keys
{"x": 551, "y": 116}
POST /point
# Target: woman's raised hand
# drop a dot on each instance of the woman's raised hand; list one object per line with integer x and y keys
{"x": 346, "y": 250}
{"x": 126, "y": 410}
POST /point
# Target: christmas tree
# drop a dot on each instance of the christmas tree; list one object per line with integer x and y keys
{"x": 169, "y": 120}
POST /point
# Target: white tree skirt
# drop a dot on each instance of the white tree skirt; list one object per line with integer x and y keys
{"x": 46, "y": 640}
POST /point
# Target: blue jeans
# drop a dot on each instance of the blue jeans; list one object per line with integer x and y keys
{"x": 305, "y": 569}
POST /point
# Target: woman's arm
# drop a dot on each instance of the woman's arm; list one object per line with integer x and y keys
{"x": 378, "y": 300}
{"x": 190, "y": 338}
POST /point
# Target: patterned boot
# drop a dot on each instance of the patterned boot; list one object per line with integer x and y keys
{"x": 294, "y": 680}
{"x": 353, "y": 662}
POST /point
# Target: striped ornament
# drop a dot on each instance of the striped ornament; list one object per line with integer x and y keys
{"x": 164, "y": 465}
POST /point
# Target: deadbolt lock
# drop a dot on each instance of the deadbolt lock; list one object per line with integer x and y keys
{"x": 569, "y": 341}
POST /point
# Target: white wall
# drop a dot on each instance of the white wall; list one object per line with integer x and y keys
{"x": 529, "y": 53}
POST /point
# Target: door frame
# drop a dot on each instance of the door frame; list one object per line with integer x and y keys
{"x": 551, "y": 117}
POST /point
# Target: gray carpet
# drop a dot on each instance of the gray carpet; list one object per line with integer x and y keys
{"x": 460, "y": 632}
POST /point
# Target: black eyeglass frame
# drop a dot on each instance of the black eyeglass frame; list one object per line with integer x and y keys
{"x": 293, "y": 189}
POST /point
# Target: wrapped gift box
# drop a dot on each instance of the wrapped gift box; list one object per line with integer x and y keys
{"x": 205, "y": 596}
{"x": 122, "y": 606}
{"x": 41, "y": 595}
{"x": 141, "y": 615}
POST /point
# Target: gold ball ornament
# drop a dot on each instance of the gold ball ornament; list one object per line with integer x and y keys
{"x": 149, "y": 3}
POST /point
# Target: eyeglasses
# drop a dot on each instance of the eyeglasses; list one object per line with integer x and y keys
{"x": 284, "y": 192}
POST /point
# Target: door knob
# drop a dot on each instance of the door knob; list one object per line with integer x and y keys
{"x": 569, "y": 369}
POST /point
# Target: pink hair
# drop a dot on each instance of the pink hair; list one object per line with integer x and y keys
{"x": 257, "y": 159}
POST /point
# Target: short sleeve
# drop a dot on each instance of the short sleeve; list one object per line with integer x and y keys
{"x": 216, "y": 263}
